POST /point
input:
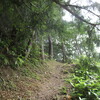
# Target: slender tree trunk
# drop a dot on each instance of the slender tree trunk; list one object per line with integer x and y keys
{"x": 78, "y": 48}
{"x": 63, "y": 52}
{"x": 90, "y": 41}
{"x": 42, "y": 49}
{"x": 50, "y": 47}
{"x": 30, "y": 45}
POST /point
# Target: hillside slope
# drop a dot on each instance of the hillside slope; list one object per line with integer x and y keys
{"x": 33, "y": 83}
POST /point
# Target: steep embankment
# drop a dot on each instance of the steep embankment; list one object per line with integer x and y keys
{"x": 33, "y": 83}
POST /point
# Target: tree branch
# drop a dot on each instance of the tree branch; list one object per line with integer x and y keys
{"x": 73, "y": 13}
{"x": 84, "y": 9}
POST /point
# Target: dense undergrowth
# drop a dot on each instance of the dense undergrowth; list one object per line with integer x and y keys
{"x": 85, "y": 80}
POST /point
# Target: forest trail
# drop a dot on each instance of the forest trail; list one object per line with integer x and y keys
{"x": 53, "y": 83}
{"x": 18, "y": 87}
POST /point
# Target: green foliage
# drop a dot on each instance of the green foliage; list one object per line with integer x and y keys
{"x": 88, "y": 88}
{"x": 86, "y": 79}
{"x": 3, "y": 60}
{"x": 19, "y": 61}
{"x": 86, "y": 65}
{"x": 63, "y": 90}
{"x": 18, "y": 21}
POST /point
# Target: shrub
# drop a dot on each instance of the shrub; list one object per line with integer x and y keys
{"x": 86, "y": 80}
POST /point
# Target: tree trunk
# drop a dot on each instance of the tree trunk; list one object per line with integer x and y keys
{"x": 78, "y": 47}
{"x": 63, "y": 52}
{"x": 30, "y": 45}
{"x": 90, "y": 41}
{"x": 50, "y": 47}
{"x": 42, "y": 49}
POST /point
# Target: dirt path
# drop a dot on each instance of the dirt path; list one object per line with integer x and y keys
{"x": 15, "y": 86}
{"x": 50, "y": 87}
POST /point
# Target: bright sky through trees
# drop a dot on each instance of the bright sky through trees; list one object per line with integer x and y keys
{"x": 69, "y": 17}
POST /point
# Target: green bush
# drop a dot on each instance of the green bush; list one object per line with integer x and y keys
{"x": 88, "y": 88}
{"x": 86, "y": 80}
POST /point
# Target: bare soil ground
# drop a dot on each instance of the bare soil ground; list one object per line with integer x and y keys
{"x": 47, "y": 87}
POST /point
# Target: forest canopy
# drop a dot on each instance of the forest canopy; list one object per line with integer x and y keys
{"x": 34, "y": 30}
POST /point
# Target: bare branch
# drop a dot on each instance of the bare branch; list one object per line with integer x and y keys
{"x": 97, "y": 28}
{"x": 84, "y": 9}
{"x": 73, "y": 13}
